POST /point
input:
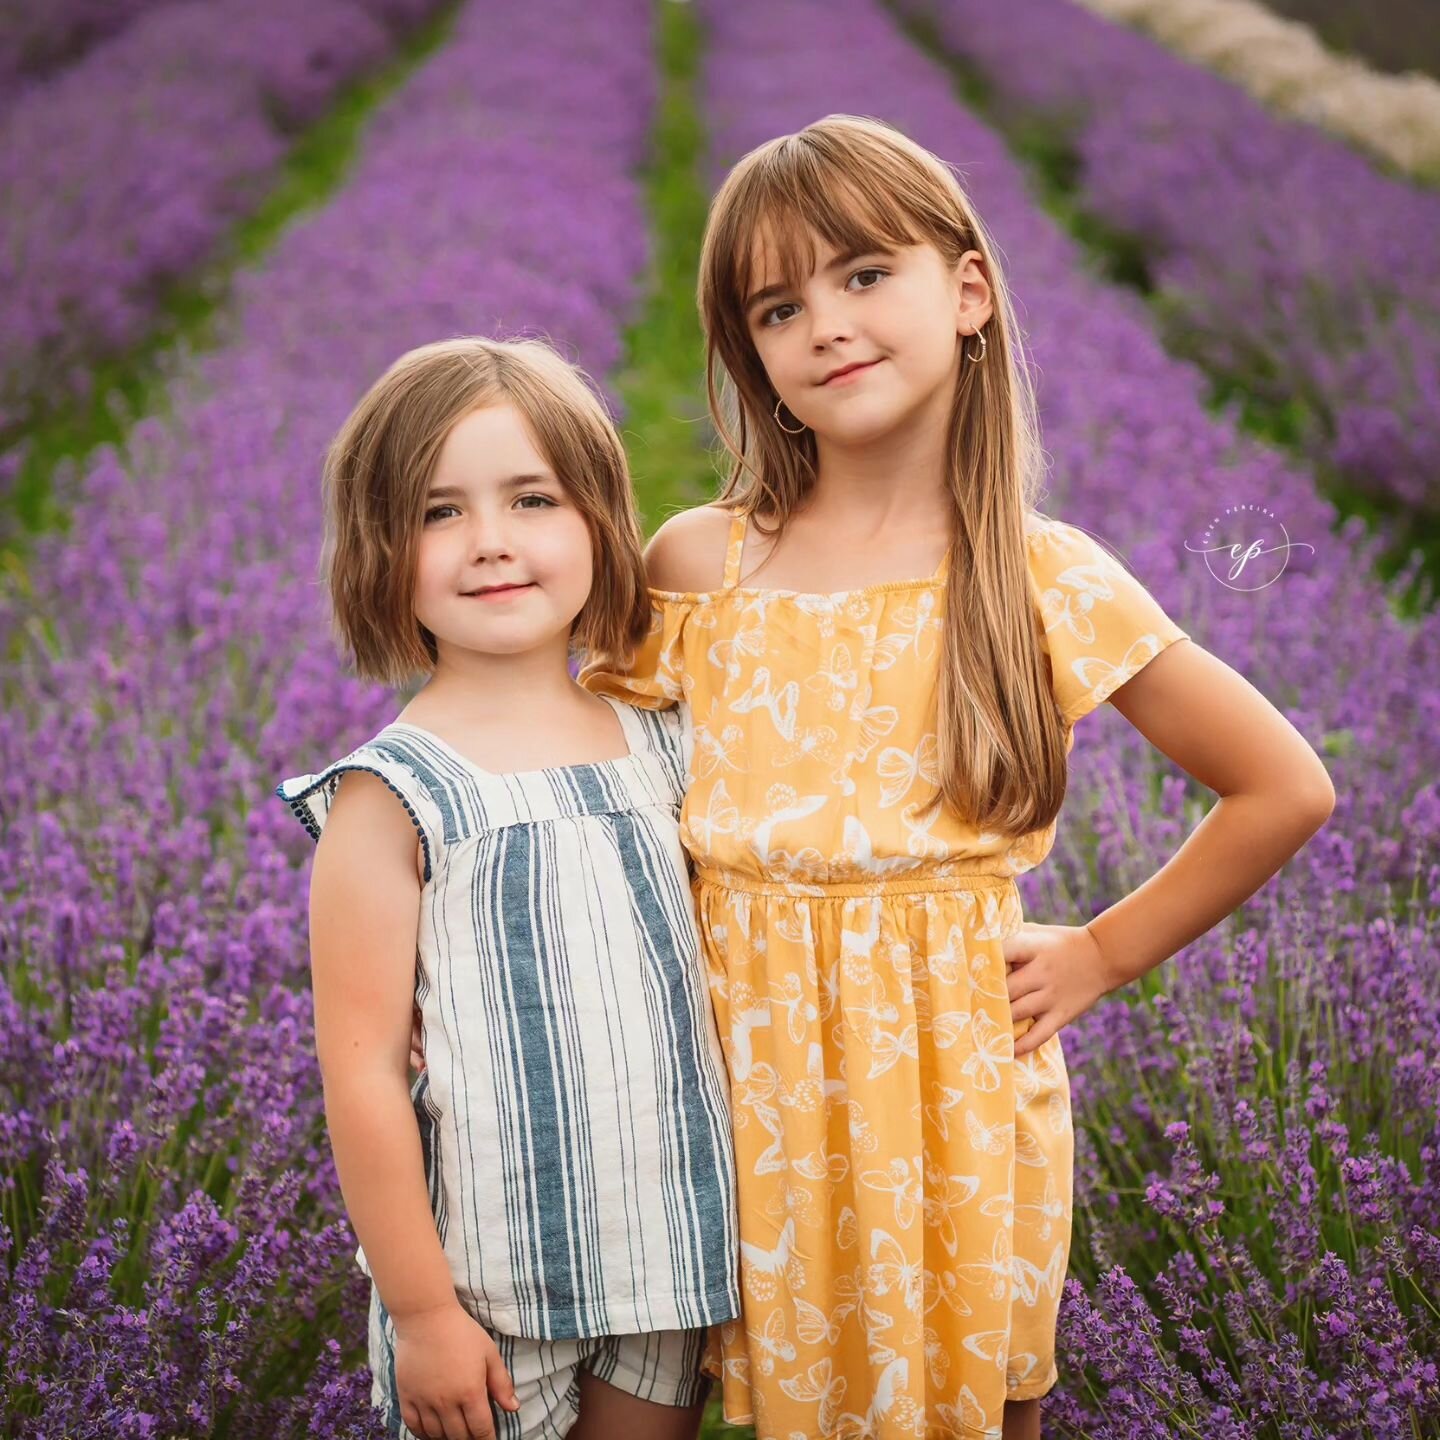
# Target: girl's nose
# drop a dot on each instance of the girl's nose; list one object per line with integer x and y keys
{"x": 829, "y": 323}
{"x": 489, "y": 538}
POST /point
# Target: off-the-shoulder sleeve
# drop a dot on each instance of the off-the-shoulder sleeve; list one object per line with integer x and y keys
{"x": 655, "y": 678}
{"x": 1101, "y": 625}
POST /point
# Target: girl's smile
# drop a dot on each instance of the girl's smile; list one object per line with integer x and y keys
{"x": 499, "y": 592}
{"x": 846, "y": 373}
{"x": 505, "y": 559}
{"x": 884, "y": 326}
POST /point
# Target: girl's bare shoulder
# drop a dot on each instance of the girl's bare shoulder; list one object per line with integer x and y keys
{"x": 687, "y": 552}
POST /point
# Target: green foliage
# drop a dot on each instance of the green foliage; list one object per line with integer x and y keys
{"x": 667, "y": 431}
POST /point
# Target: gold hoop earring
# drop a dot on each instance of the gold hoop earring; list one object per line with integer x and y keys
{"x": 783, "y": 425}
{"x": 984, "y": 346}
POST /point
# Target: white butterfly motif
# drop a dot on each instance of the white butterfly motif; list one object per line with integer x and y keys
{"x": 899, "y": 769}
{"x": 996, "y": 1272}
{"x": 769, "y": 1344}
{"x": 1099, "y": 678}
{"x": 991, "y": 1345}
{"x": 967, "y": 1416}
{"x": 946, "y": 1194}
{"x": 1031, "y": 1282}
{"x": 893, "y": 1380}
{"x": 988, "y": 1139}
{"x": 1028, "y": 1151}
{"x": 787, "y": 807}
{"x": 891, "y": 1270}
{"x": 743, "y": 1022}
{"x": 941, "y": 1285}
{"x": 1049, "y": 1210}
{"x": 821, "y": 1384}
{"x": 811, "y": 742}
{"x": 994, "y": 1047}
{"x": 888, "y": 1047}
{"x": 919, "y": 841}
{"x": 821, "y": 1165}
{"x": 920, "y": 620}
{"x": 814, "y": 1326}
{"x": 780, "y": 704}
{"x": 721, "y": 817}
{"x": 901, "y": 1184}
{"x": 949, "y": 1027}
{"x": 717, "y": 752}
{"x": 875, "y": 722}
{"x": 771, "y": 1262}
{"x": 947, "y": 1098}
{"x": 799, "y": 1009}
{"x": 859, "y": 850}
{"x": 836, "y": 678}
{"x": 773, "y": 1159}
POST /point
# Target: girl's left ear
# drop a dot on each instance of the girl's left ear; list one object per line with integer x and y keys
{"x": 973, "y": 305}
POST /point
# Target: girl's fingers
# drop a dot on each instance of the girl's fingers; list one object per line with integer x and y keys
{"x": 457, "y": 1427}
{"x": 410, "y": 1414}
{"x": 1027, "y": 1006}
{"x": 1023, "y": 981}
{"x": 430, "y": 1426}
{"x": 478, "y": 1419}
{"x": 500, "y": 1385}
{"x": 1035, "y": 1037}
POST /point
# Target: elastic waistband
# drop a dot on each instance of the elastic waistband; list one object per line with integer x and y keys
{"x": 891, "y": 885}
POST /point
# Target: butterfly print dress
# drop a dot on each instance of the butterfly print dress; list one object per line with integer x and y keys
{"x": 904, "y": 1179}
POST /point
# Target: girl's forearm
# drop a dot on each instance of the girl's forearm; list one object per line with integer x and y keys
{"x": 1234, "y": 850}
{"x": 382, "y": 1177}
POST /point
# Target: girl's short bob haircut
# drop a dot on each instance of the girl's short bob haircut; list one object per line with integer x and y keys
{"x": 378, "y": 472}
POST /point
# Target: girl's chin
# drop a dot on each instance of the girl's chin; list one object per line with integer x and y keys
{"x": 853, "y": 432}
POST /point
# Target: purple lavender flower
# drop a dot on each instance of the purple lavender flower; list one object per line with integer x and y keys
{"x": 175, "y": 1255}
{"x": 1268, "y": 1097}
{"x": 1241, "y": 215}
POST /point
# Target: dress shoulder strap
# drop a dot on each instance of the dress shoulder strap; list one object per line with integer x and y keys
{"x": 734, "y": 550}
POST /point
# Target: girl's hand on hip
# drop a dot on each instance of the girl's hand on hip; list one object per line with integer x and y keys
{"x": 447, "y": 1370}
{"x": 1058, "y": 974}
{"x": 417, "y": 1042}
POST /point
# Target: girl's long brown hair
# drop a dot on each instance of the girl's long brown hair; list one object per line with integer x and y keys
{"x": 861, "y": 185}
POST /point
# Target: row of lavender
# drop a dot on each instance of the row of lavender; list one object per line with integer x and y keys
{"x": 1282, "y": 257}
{"x": 36, "y": 41}
{"x": 1275, "y": 1258}
{"x": 173, "y": 1257}
{"x": 120, "y": 173}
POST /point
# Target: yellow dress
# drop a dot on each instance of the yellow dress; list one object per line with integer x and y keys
{"x": 904, "y": 1180}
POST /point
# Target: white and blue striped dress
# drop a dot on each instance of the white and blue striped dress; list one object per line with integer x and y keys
{"x": 573, "y": 1109}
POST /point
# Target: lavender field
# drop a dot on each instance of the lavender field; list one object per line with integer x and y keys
{"x": 1257, "y": 1248}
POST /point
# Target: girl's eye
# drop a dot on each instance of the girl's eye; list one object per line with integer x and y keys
{"x": 544, "y": 500}
{"x": 775, "y": 316}
{"x": 436, "y": 511}
{"x": 768, "y": 317}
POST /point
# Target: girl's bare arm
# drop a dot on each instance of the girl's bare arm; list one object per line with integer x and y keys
{"x": 364, "y": 912}
{"x": 1274, "y": 795}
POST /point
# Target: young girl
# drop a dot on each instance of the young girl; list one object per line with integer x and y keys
{"x": 558, "y": 1228}
{"x": 882, "y": 649}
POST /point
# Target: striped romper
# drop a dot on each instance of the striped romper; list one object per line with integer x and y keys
{"x": 573, "y": 1108}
